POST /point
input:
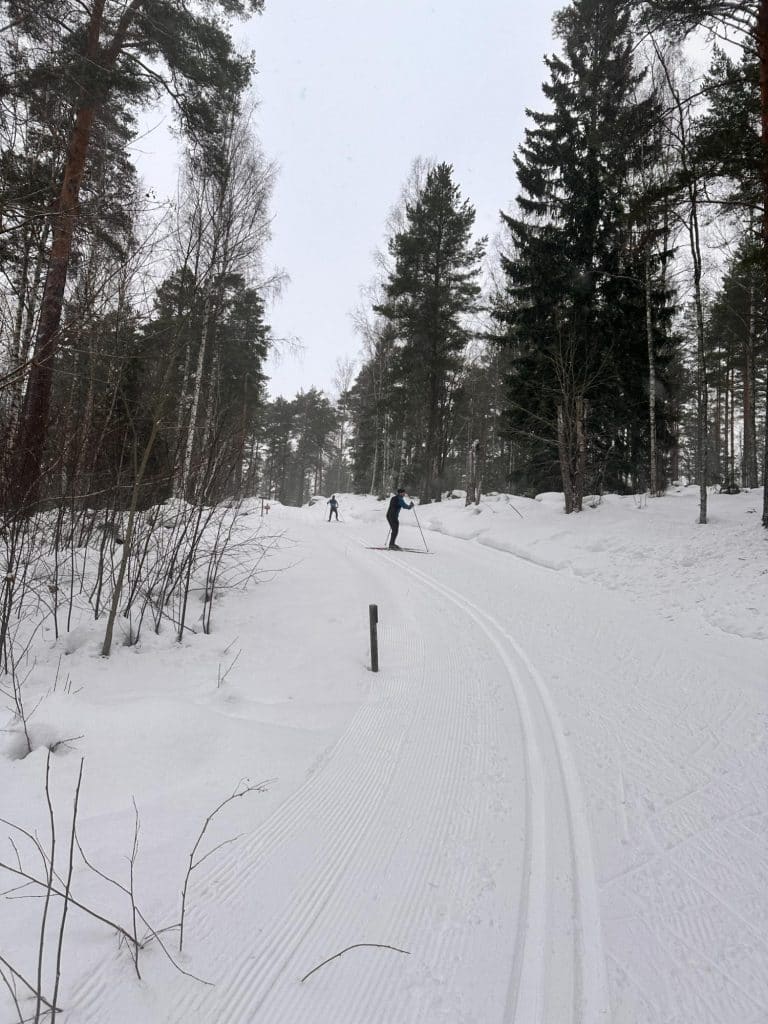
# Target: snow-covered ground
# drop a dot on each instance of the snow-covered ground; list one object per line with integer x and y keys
{"x": 549, "y": 806}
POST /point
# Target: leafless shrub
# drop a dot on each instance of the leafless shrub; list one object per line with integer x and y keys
{"x": 196, "y": 860}
{"x": 54, "y": 888}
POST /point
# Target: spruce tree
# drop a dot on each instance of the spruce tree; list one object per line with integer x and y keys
{"x": 574, "y": 311}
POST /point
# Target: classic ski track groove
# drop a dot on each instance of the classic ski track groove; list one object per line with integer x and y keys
{"x": 367, "y": 1000}
{"x": 245, "y": 985}
{"x": 229, "y": 876}
{"x": 592, "y": 1002}
{"x": 249, "y": 986}
{"x": 250, "y": 989}
{"x": 348, "y": 789}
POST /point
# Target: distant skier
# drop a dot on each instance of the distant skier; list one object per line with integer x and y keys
{"x": 334, "y": 508}
{"x": 396, "y": 502}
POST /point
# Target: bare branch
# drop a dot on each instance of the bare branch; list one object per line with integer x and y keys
{"x": 357, "y": 945}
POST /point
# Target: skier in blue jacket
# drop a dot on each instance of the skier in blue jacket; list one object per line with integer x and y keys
{"x": 334, "y": 508}
{"x": 396, "y": 502}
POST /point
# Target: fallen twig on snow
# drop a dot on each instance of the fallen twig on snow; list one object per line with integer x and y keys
{"x": 357, "y": 945}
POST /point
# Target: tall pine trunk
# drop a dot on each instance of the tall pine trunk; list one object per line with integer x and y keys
{"x": 33, "y": 428}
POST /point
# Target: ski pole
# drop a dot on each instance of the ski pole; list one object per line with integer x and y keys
{"x": 420, "y": 529}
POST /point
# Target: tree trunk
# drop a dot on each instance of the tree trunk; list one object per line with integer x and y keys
{"x": 473, "y": 471}
{"x": 580, "y": 475}
{"x": 702, "y": 432}
{"x": 761, "y": 38}
{"x": 375, "y": 466}
{"x": 654, "y": 483}
{"x": 192, "y": 425}
{"x": 749, "y": 455}
{"x": 33, "y": 428}
{"x": 562, "y": 449}
{"x": 732, "y": 466}
{"x": 701, "y": 378}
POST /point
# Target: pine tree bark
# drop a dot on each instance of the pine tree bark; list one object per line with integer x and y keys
{"x": 36, "y": 407}
{"x": 35, "y": 415}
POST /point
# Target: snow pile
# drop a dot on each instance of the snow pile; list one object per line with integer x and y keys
{"x": 652, "y": 549}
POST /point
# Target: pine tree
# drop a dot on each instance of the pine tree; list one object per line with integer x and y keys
{"x": 116, "y": 56}
{"x": 727, "y": 144}
{"x": 430, "y": 292}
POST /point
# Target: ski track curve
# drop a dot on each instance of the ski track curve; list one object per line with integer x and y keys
{"x": 395, "y": 811}
{"x": 424, "y": 724}
{"x": 548, "y": 777}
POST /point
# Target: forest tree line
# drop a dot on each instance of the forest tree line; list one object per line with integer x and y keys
{"x": 613, "y": 338}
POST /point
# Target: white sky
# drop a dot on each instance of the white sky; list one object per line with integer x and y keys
{"x": 351, "y": 91}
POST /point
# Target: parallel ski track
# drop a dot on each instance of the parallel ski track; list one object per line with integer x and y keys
{"x": 341, "y": 807}
{"x": 249, "y": 982}
{"x": 326, "y": 834}
{"x": 345, "y": 800}
{"x": 542, "y": 729}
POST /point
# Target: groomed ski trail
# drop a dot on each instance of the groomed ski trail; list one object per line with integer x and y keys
{"x": 559, "y": 870}
{"x": 445, "y": 821}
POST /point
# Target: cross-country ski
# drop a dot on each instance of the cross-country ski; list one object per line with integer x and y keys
{"x": 389, "y": 547}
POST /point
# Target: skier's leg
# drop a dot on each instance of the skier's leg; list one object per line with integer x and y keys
{"x": 395, "y": 524}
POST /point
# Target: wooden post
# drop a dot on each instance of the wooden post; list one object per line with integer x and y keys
{"x": 373, "y": 618}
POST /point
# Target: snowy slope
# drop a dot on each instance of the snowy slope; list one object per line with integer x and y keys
{"x": 550, "y": 804}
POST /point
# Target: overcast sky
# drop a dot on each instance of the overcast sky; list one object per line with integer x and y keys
{"x": 351, "y": 92}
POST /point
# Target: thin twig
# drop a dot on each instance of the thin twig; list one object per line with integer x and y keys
{"x": 67, "y": 889}
{"x": 223, "y": 678}
{"x": 259, "y": 787}
{"x": 132, "y": 862}
{"x": 11, "y": 986}
{"x": 152, "y": 932}
{"x": 76, "y": 903}
{"x": 49, "y": 887}
{"x": 357, "y": 945}
{"x": 23, "y": 980}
